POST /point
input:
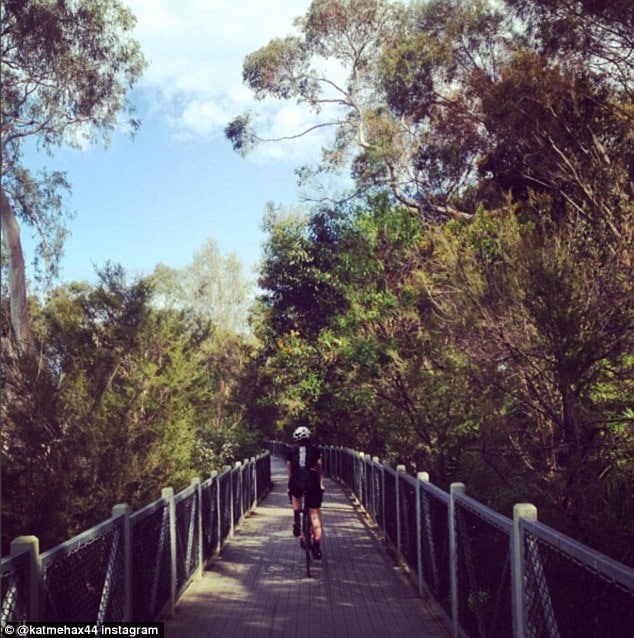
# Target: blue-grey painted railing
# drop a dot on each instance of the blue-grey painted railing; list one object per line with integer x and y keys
{"x": 493, "y": 576}
{"x": 133, "y": 566}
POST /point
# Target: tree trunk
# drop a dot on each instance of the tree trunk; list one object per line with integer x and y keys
{"x": 20, "y": 318}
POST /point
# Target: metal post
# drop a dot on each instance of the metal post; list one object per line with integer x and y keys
{"x": 455, "y": 488}
{"x": 229, "y": 505}
{"x": 423, "y": 477}
{"x": 399, "y": 470}
{"x": 215, "y": 477}
{"x": 360, "y": 478}
{"x": 239, "y": 473}
{"x": 124, "y": 510}
{"x": 375, "y": 505}
{"x": 198, "y": 573}
{"x": 383, "y": 516}
{"x": 30, "y": 544}
{"x": 254, "y": 474}
{"x": 518, "y": 578}
{"x": 168, "y": 493}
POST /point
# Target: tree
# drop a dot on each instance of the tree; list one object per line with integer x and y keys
{"x": 404, "y": 117}
{"x": 115, "y": 386}
{"x": 546, "y": 322}
{"x": 213, "y": 297}
{"x": 596, "y": 35}
{"x": 135, "y": 398}
{"x": 487, "y": 338}
{"x": 300, "y": 291}
{"x": 66, "y": 69}
{"x": 351, "y": 33}
{"x": 212, "y": 286}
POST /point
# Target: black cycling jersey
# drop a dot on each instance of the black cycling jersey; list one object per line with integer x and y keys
{"x": 303, "y": 460}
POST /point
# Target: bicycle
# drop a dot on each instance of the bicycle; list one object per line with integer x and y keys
{"x": 306, "y": 530}
{"x": 306, "y": 538}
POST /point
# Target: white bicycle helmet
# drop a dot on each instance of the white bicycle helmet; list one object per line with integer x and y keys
{"x": 301, "y": 434}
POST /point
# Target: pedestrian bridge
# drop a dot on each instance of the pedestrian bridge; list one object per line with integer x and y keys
{"x": 401, "y": 558}
{"x": 257, "y": 586}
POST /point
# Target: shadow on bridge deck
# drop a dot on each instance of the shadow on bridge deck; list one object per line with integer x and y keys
{"x": 257, "y": 586}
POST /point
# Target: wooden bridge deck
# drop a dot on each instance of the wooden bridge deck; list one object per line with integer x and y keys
{"x": 257, "y": 586}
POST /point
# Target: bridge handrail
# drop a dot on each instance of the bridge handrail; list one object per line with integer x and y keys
{"x": 113, "y": 572}
{"x": 490, "y": 574}
{"x": 61, "y": 599}
{"x": 602, "y": 564}
{"x": 16, "y": 579}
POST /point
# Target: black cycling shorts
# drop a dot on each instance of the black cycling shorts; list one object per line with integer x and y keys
{"x": 314, "y": 495}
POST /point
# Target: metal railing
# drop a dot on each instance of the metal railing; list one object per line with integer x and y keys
{"x": 492, "y": 576}
{"x": 133, "y": 566}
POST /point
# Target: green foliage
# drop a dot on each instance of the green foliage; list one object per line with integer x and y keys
{"x": 42, "y": 205}
{"x": 211, "y": 288}
{"x": 470, "y": 314}
{"x": 238, "y": 131}
{"x": 493, "y": 349}
{"x": 66, "y": 70}
{"x": 273, "y": 70}
{"x": 217, "y": 448}
{"x": 136, "y": 397}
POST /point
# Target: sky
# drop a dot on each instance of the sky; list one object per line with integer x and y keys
{"x": 156, "y": 198}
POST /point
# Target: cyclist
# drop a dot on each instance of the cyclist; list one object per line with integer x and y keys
{"x": 304, "y": 473}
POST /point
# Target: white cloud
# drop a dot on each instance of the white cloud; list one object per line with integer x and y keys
{"x": 196, "y": 49}
{"x": 203, "y": 118}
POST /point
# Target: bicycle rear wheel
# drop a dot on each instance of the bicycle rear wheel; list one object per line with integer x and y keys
{"x": 308, "y": 540}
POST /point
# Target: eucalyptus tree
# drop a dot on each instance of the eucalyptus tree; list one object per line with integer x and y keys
{"x": 66, "y": 70}
{"x": 212, "y": 286}
{"x": 393, "y": 82}
{"x": 332, "y": 69}
{"x": 213, "y": 296}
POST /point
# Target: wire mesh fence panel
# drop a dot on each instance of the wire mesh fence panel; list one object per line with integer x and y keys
{"x": 434, "y": 530}
{"x": 390, "y": 513}
{"x": 263, "y": 475}
{"x": 335, "y": 467}
{"x": 236, "y": 481}
{"x": 279, "y": 449}
{"x": 378, "y": 491}
{"x": 358, "y": 477}
{"x": 407, "y": 518}
{"x": 224, "y": 487}
{"x": 84, "y": 581}
{"x": 14, "y": 585}
{"x": 326, "y": 458}
{"x": 242, "y": 487}
{"x": 371, "y": 505}
{"x": 247, "y": 487}
{"x": 350, "y": 465}
{"x": 251, "y": 496}
{"x": 484, "y": 571}
{"x": 332, "y": 465}
{"x": 151, "y": 562}
{"x": 343, "y": 465}
{"x": 567, "y": 595}
{"x": 209, "y": 493}
{"x": 368, "y": 497}
{"x": 187, "y": 541}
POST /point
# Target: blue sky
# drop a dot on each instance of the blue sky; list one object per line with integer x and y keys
{"x": 158, "y": 197}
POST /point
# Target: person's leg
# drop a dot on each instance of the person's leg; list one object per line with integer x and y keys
{"x": 315, "y": 519}
{"x": 297, "y": 505}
